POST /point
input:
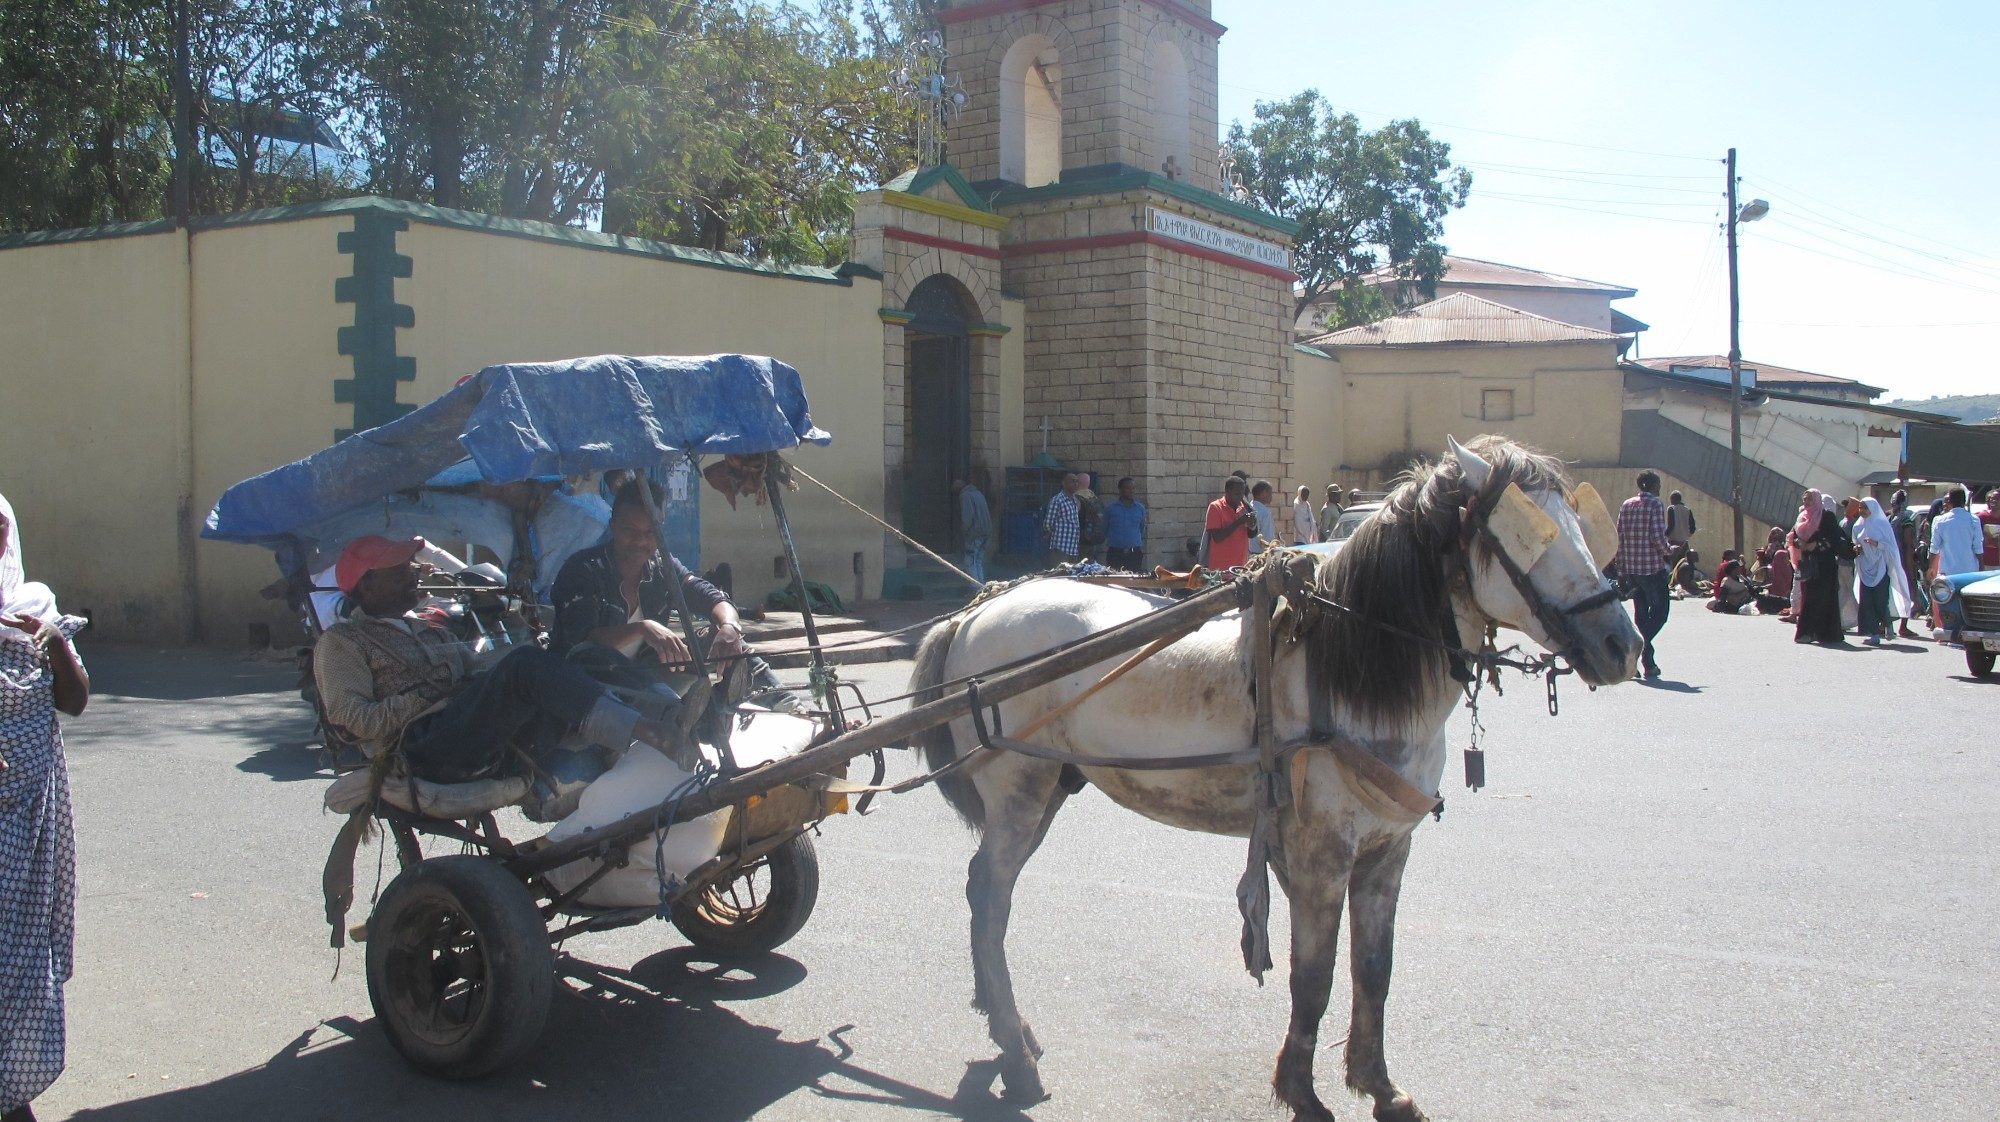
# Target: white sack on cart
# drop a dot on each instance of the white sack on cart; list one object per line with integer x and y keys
{"x": 642, "y": 780}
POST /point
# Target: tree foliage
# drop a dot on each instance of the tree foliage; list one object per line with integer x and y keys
{"x": 715, "y": 123}
{"x": 1362, "y": 199}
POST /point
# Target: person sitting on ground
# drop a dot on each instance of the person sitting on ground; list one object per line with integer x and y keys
{"x": 620, "y": 595}
{"x": 1732, "y": 589}
{"x": 393, "y": 680}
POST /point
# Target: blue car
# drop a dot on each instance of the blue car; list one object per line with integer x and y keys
{"x": 1969, "y": 606}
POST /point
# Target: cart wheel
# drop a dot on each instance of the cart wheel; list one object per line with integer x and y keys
{"x": 1980, "y": 662}
{"x": 757, "y": 910}
{"x": 459, "y": 967}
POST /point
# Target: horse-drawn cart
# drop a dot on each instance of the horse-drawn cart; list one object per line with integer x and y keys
{"x": 1313, "y": 722}
{"x": 460, "y": 947}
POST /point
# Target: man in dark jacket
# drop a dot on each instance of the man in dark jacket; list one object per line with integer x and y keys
{"x": 620, "y": 595}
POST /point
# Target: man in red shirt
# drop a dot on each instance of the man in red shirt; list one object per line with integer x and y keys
{"x": 1228, "y": 527}
{"x": 1989, "y": 530}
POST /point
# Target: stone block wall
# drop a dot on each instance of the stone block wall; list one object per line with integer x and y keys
{"x": 1147, "y": 360}
{"x": 1105, "y": 48}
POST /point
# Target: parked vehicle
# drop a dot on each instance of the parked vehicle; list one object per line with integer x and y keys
{"x": 1969, "y": 606}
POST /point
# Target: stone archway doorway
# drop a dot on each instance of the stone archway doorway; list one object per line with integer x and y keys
{"x": 937, "y": 410}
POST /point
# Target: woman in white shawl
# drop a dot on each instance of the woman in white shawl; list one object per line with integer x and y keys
{"x": 1879, "y": 585}
{"x": 39, "y": 675}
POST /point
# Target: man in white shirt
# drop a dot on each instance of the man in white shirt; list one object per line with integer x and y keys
{"x": 1955, "y": 538}
{"x": 1260, "y": 505}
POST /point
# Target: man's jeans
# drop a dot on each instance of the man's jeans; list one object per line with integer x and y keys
{"x": 472, "y": 735}
{"x": 1649, "y": 608}
{"x": 975, "y": 559}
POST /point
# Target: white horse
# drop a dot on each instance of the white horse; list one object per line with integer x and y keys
{"x": 1405, "y": 573}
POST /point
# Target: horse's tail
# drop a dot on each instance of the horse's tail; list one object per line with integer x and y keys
{"x": 926, "y": 682}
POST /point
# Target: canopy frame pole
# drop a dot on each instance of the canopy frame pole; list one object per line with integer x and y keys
{"x": 819, "y": 670}
{"x": 701, "y": 696}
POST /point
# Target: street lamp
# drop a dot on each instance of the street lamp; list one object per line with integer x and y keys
{"x": 1748, "y": 212}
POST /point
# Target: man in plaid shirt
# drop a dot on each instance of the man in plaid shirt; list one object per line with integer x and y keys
{"x": 1063, "y": 522}
{"x": 1642, "y": 561}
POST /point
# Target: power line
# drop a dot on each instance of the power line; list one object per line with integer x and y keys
{"x": 1490, "y": 132}
{"x": 1873, "y": 326}
{"x": 1858, "y": 215}
{"x": 1809, "y": 214}
{"x": 1615, "y": 202}
{"x": 1913, "y": 270}
{"x": 1501, "y": 198}
{"x": 1882, "y": 269}
{"x": 1496, "y": 169}
{"x": 1587, "y": 171}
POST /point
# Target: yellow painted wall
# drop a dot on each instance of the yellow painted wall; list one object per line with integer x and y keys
{"x": 93, "y": 389}
{"x": 1013, "y": 382}
{"x": 1569, "y": 399}
{"x": 266, "y": 358}
{"x": 1317, "y": 424}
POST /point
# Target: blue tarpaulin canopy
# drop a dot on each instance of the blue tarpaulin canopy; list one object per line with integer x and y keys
{"x": 534, "y": 420}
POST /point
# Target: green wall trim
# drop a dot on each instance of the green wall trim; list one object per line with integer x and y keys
{"x": 1145, "y": 181}
{"x": 994, "y": 329}
{"x": 1314, "y": 351}
{"x": 86, "y": 234}
{"x": 453, "y": 219}
{"x": 897, "y": 316}
{"x": 371, "y": 341}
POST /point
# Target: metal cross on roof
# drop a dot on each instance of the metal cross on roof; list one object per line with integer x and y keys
{"x": 939, "y": 97}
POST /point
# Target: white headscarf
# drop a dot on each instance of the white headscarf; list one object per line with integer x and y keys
{"x": 1876, "y": 554}
{"x": 20, "y": 596}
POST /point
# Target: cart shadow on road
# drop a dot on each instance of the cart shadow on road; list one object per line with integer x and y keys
{"x": 654, "y": 1041}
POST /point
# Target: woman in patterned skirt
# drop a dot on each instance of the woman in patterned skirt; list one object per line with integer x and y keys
{"x": 39, "y": 675}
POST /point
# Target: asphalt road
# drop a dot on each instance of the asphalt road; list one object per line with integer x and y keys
{"x": 1764, "y": 888}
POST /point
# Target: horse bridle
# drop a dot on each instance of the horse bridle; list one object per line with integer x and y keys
{"x": 1555, "y": 620}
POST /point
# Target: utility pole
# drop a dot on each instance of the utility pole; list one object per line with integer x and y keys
{"x": 1735, "y": 372}
{"x": 183, "y": 114}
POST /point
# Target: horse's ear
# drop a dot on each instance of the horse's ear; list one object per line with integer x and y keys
{"x": 1474, "y": 470}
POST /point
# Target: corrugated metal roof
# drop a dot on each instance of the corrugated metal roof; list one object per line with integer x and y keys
{"x": 1462, "y": 318}
{"x": 1767, "y": 374}
{"x": 1471, "y": 272}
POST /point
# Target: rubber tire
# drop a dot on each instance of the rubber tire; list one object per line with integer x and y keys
{"x": 794, "y": 870}
{"x": 1980, "y": 662}
{"x": 513, "y": 946}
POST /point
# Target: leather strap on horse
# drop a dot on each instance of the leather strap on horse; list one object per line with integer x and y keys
{"x": 1253, "y": 889}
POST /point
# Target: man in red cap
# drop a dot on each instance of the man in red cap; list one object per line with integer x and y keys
{"x": 391, "y": 679}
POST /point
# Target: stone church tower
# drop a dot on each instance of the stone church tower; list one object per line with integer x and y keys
{"x": 1158, "y": 333}
{"x": 1081, "y": 179}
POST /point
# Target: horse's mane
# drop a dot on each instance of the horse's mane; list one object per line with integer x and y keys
{"x": 1392, "y": 573}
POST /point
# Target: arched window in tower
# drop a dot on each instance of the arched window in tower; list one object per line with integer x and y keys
{"x": 1031, "y": 112}
{"x": 1171, "y": 112}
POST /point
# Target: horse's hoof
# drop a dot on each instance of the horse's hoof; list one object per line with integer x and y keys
{"x": 1312, "y": 1112}
{"x": 1402, "y": 1108}
{"x": 1021, "y": 1081}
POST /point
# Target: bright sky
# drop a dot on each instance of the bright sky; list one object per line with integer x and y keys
{"x": 1595, "y": 134}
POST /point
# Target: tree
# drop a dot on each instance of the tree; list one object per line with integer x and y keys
{"x": 1362, "y": 199}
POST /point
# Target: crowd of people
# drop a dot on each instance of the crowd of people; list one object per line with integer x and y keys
{"x": 1842, "y": 564}
{"x": 1079, "y": 526}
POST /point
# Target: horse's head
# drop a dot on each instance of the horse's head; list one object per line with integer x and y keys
{"x": 1535, "y": 551}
